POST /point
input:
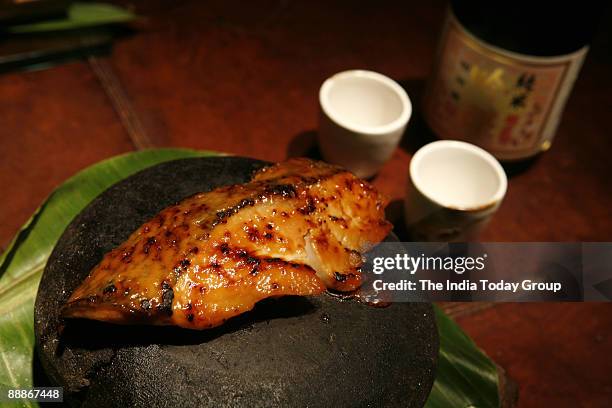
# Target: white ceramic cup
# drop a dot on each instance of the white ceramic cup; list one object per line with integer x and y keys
{"x": 453, "y": 189}
{"x": 362, "y": 118}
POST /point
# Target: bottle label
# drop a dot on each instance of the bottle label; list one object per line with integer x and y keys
{"x": 508, "y": 103}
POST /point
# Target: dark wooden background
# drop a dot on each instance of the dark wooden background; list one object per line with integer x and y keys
{"x": 243, "y": 78}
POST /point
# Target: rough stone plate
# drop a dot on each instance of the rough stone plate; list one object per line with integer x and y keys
{"x": 317, "y": 351}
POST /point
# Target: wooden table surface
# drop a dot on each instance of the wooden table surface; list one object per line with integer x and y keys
{"x": 243, "y": 78}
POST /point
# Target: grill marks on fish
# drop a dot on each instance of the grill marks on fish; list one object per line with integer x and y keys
{"x": 295, "y": 229}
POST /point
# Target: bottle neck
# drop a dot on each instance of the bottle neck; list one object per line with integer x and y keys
{"x": 530, "y": 27}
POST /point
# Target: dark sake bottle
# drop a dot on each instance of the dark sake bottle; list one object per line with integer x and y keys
{"x": 504, "y": 71}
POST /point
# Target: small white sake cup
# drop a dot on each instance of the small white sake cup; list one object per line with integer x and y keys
{"x": 453, "y": 190}
{"x": 363, "y": 115}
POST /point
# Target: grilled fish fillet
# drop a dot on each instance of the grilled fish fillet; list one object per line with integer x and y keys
{"x": 296, "y": 228}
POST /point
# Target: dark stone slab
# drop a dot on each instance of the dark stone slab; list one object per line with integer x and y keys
{"x": 316, "y": 351}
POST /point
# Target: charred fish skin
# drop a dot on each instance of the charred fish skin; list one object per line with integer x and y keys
{"x": 296, "y": 228}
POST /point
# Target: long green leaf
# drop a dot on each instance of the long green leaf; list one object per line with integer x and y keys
{"x": 465, "y": 376}
{"x": 80, "y": 15}
{"x": 22, "y": 263}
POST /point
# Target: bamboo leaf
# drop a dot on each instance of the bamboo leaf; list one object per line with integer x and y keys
{"x": 21, "y": 265}
{"x": 80, "y": 15}
{"x": 466, "y": 377}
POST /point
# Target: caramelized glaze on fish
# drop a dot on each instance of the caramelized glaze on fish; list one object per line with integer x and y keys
{"x": 296, "y": 228}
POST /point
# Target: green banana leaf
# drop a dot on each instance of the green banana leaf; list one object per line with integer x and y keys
{"x": 465, "y": 376}
{"x": 79, "y": 15}
{"x": 22, "y": 263}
